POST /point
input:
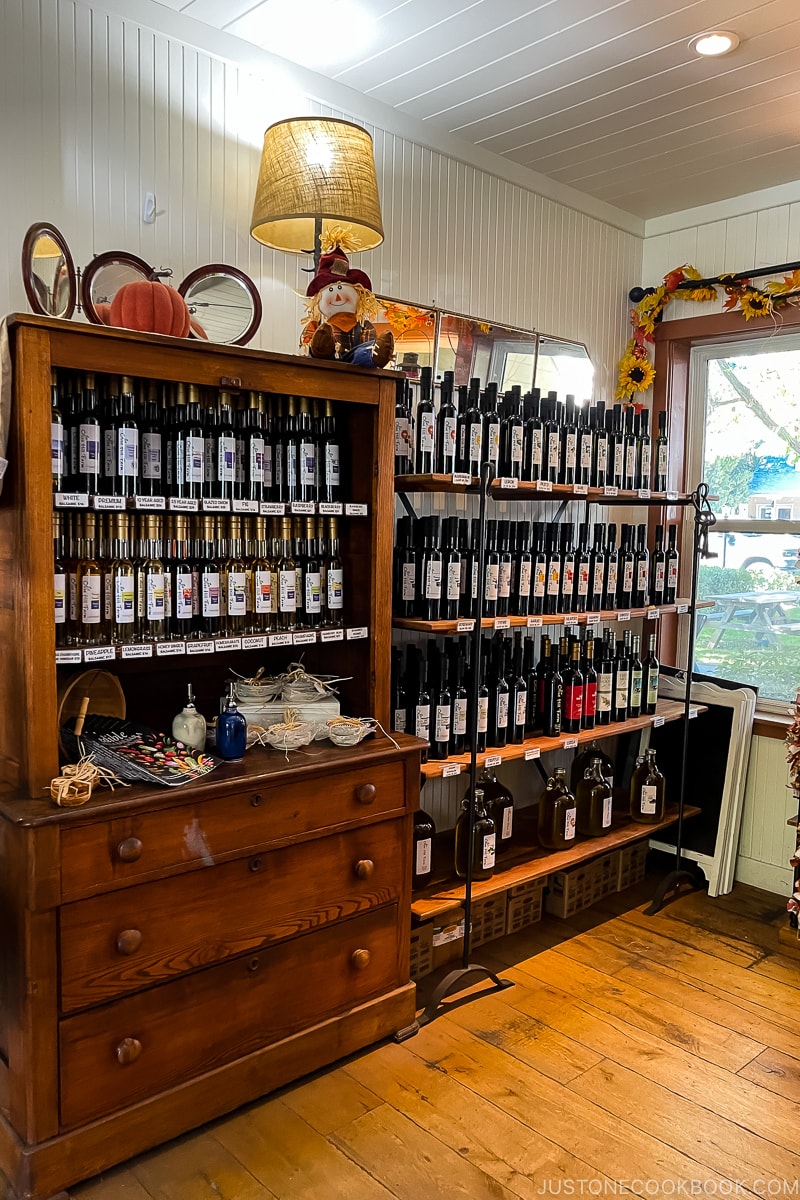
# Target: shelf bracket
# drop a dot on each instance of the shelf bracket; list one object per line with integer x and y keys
{"x": 451, "y": 982}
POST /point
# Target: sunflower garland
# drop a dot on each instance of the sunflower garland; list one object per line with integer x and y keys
{"x": 636, "y": 372}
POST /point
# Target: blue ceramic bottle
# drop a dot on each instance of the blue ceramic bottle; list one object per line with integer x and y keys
{"x": 231, "y": 731}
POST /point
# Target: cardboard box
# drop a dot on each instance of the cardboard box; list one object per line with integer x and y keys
{"x": 421, "y": 950}
{"x": 632, "y": 864}
{"x": 448, "y": 936}
{"x": 571, "y": 891}
{"x": 488, "y": 919}
{"x": 524, "y": 905}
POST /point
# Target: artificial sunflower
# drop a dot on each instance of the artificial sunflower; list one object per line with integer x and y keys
{"x": 699, "y": 295}
{"x": 650, "y": 308}
{"x": 636, "y": 374}
{"x": 754, "y": 303}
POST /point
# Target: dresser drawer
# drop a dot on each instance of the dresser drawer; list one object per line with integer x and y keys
{"x": 115, "y": 944}
{"x": 131, "y": 849}
{"x": 114, "y": 1056}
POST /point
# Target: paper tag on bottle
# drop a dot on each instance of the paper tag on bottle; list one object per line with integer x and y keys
{"x": 215, "y": 504}
{"x": 280, "y": 639}
{"x": 149, "y": 503}
{"x": 271, "y": 508}
{"x": 508, "y": 483}
{"x": 534, "y": 752}
{"x": 610, "y": 490}
{"x": 644, "y": 493}
{"x": 183, "y": 504}
{"x": 682, "y": 608}
{"x": 141, "y": 651}
{"x": 624, "y": 616}
{"x": 72, "y": 499}
{"x": 649, "y": 798}
{"x": 305, "y": 637}
{"x": 99, "y": 654}
{"x": 569, "y": 743}
{"x": 653, "y": 614}
{"x": 302, "y": 508}
{"x": 450, "y": 770}
{"x": 205, "y": 647}
{"x": 108, "y": 503}
{"x": 257, "y": 642}
{"x": 493, "y": 760}
{"x": 658, "y": 722}
{"x": 502, "y": 622}
{"x": 544, "y": 485}
{"x": 245, "y": 506}
{"x": 228, "y": 643}
{"x": 357, "y": 633}
{"x": 327, "y": 509}
{"x": 70, "y": 658}
{"x": 356, "y": 510}
{"x": 534, "y": 622}
{"x": 581, "y": 489}
{"x": 170, "y": 649}
{"x": 461, "y": 478}
{"x": 331, "y": 635}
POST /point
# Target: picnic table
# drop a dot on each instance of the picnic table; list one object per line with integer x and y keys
{"x": 764, "y": 614}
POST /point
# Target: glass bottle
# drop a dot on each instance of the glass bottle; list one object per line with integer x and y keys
{"x": 189, "y": 726}
{"x": 306, "y": 454}
{"x": 648, "y": 791}
{"x": 423, "y": 834}
{"x": 556, "y": 820}
{"x": 518, "y": 700}
{"x": 581, "y": 762}
{"x": 491, "y": 572}
{"x": 625, "y": 578}
{"x": 225, "y": 485}
{"x": 446, "y": 427}
{"x": 312, "y": 579}
{"x": 600, "y": 450}
{"x": 334, "y": 578}
{"x": 589, "y": 717}
{"x": 329, "y": 459}
{"x": 127, "y": 442}
{"x": 539, "y": 571}
{"x": 662, "y": 454}
{"x": 441, "y": 712}
{"x": 483, "y": 848}
{"x": 60, "y": 606}
{"x": 151, "y": 477}
{"x": 532, "y": 462}
{"x": 429, "y": 600}
{"x": 261, "y": 574}
{"x": 650, "y": 672}
{"x": 622, "y": 682}
{"x": 89, "y": 585}
{"x": 612, "y": 569}
{"x": 286, "y": 571}
{"x": 451, "y": 570}
{"x": 190, "y": 437}
{"x": 641, "y": 570}
{"x": 458, "y": 723}
{"x": 399, "y": 699}
{"x": 150, "y": 584}
{"x": 88, "y": 457}
{"x": 209, "y": 585}
{"x": 123, "y": 584}
{"x": 59, "y": 448}
{"x": 491, "y": 427}
{"x": 233, "y": 578}
{"x": 671, "y": 585}
{"x": 181, "y": 581}
{"x": 470, "y": 432}
{"x": 500, "y": 807}
{"x": 231, "y": 730}
{"x": 425, "y": 448}
{"x": 523, "y": 572}
{"x": 512, "y": 438}
{"x": 483, "y": 702}
{"x": 572, "y": 717}
{"x": 593, "y": 801}
{"x": 253, "y": 489}
{"x": 420, "y": 701}
{"x": 580, "y": 597}
{"x": 636, "y": 676}
{"x": 504, "y": 569}
{"x": 658, "y": 569}
{"x": 110, "y": 483}
{"x": 644, "y": 449}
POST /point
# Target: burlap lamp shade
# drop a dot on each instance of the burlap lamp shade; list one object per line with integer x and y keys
{"x": 316, "y": 169}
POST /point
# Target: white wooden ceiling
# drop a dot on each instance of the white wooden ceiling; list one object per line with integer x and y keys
{"x": 603, "y": 95}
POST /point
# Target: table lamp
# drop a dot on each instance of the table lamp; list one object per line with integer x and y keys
{"x": 316, "y": 172}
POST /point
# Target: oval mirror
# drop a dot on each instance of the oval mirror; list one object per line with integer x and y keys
{"x": 224, "y": 304}
{"x": 48, "y": 271}
{"x": 103, "y": 278}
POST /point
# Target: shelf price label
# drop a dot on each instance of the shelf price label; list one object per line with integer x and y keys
{"x": 205, "y": 647}
{"x": 653, "y": 614}
{"x": 305, "y": 637}
{"x": 170, "y": 649}
{"x": 502, "y": 622}
{"x": 69, "y": 658}
{"x": 692, "y": 713}
{"x": 534, "y": 752}
{"x": 492, "y": 760}
{"x": 682, "y": 608}
{"x": 644, "y": 493}
{"x": 99, "y": 654}
{"x": 229, "y": 643}
{"x": 450, "y": 770}
{"x": 271, "y": 508}
{"x": 182, "y": 504}
{"x": 544, "y": 485}
{"x": 329, "y": 509}
{"x": 108, "y": 503}
{"x": 257, "y": 642}
{"x": 215, "y": 504}
{"x": 624, "y": 616}
{"x": 149, "y": 503}
{"x": 534, "y": 622}
{"x": 357, "y": 633}
{"x": 302, "y": 508}
{"x": 461, "y": 479}
{"x": 356, "y": 510}
{"x": 330, "y": 635}
{"x": 280, "y": 639}
{"x": 72, "y": 499}
{"x": 609, "y": 490}
{"x": 465, "y": 626}
{"x": 593, "y": 618}
{"x": 569, "y": 743}
{"x": 245, "y": 506}
{"x": 142, "y": 651}
{"x": 581, "y": 489}
{"x": 507, "y": 483}
{"x": 658, "y": 722}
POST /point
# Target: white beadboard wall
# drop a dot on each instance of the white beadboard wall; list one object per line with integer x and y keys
{"x": 766, "y": 843}
{"x": 106, "y": 109}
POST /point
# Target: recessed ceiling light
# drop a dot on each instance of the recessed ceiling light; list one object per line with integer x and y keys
{"x": 714, "y": 43}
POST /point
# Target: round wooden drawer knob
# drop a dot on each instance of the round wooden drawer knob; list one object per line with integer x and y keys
{"x": 365, "y": 868}
{"x": 128, "y": 1051}
{"x": 360, "y": 959}
{"x": 129, "y": 941}
{"x": 130, "y": 850}
{"x": 366, "y": 793}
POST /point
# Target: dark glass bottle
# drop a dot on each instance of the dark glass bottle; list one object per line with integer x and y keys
{"x": 406, "y": 564}
{"x": 421, "y": 702}
{"x": 658, "y": 569}
{"x": 458, "y": 721}
{"x": 483, "y": 702}
{"x": 423, "y": 834}
{"x": 553, "y": 439}
{"x": 583, "y": 474}
{"x": 403, "y": 430}
{"x": 617, "y": 444}
{"x": 491, "y": 427}
{"x": 430, "y": 577}
{"x": 110, "y": 484}
{"x": 523, "y": 572}
{"x": 491, "y": 576}
{"x": 500, "y": 807}
{"x": 644, "y": 450}
{"x": 572, "y": 718}
{"x": 189, "y": 448}
{"x": 446, "y": 428}
{"x": 441, "y": 713}
{"x": 534, "y": 441}
{"x": 451, "y": 570}
{"x": 556, "y": 821}
{"x": 88, "y": 443}
{"x": 580, "y": 596}
{"x": 625, "y": 576}
{"x": 504, "y": 569}
{"x": 399, "y": 698}
{"x": 307, "y": 455}
{"x": 59, "y": 438}
{"x": 636, "y": 680}
{"x": 569, "y": 444}
{"x": 662, "y": 454}
{"x": 589, "y": 717}
{"x": 552, "y": 693}
{"x": 470, "y": 432}
{"x": 472, "y": 593}
{"x": 484, "y": 850}
{"x": 60, "y": 590}
{"x": 648, "y": 791}
{"x": 151, "y": 478}
{"x": 600, "y": 447}
{"x": 597, "y": 571}
{"x": 567, "y": 598}
{"x": 612, "y": 569}
{"x": 593, "y": 801}
{"x": 518, "y": 699}
{"x": 425, "y": 444}
{"x": 288, "y": 453}
{"x": 512, "y": 440}
{"x": 225, "y": 486}
{"x": 605, "y": 687}
{"x": 650, "y": 672}
{"x": 641, "y": 569}
{"x": 499, "y": 695}
{"x": 552, "y": 595}
{"x": 672, "y": 564}
{"x": 253, "y": 488}
{"x": 539, "y": 571}
{"x": 630, "y": 477}
{"x": 622, "y": 682}
{"x": 127, "y": 442}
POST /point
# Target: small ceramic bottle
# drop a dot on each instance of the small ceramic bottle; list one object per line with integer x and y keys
{"x": 189, "y": 726}
{"x": 231, "y": 730}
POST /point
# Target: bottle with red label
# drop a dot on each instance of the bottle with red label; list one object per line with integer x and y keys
{"x": 671, "y": 586}
{"x": 573, "y": 692}
{"x": 658, "y": 569}
{"x": 589, "y": 716}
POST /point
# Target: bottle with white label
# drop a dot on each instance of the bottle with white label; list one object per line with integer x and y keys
{"x": 89, "y": 586}
{"x": 593, "y": 799}
{"x": 500, "y": 807}
{"x": 225, "y": 484}
{"x": 208, "y": 583}
{"x": 60, "y": 592}
{"x": 650, "y": 672}
{"x": 191, "y": 444}
{"x": 312, "y": 578}
{"x": 179, "y": 579}
{"x": 286, "y": 572}
{"x": 405, "y": 569}
{"x": 307, "y": 451}
{"x": 59, "y": 448}
{"x": 458, "y": 723}
{"x": 88, "y": 441}
{"x": 446, "y": 428}
{"x": 648, "y": 791}
{"x": 451, "y": 570}
{"x": 403, "y": 430}
{"x": 233, "y": 579}
{"x": 254, "y": 450}
{"x": 419, "y": 701}
{"x": 151, "y": 458}
{"x": 150, "y": 588}
{"x": 329, "y": 459}
{"x": 556, "y": 821}
{"x": 126, "y": 449}
{"x": 399, "y": 699}
{"x": 425, "y": 448}
{"x": 262, "y": 582}
{"x": 441, "y": 713}
{"x": 424, "y": 832}
{"x": 334, "y": 578}
{"x": 484, "y": 838}
{"x": 122, "y": 583}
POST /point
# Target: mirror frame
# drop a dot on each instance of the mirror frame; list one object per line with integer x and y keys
{"x": 35, "y": 231}
{"x": 96, "y": 265}
{"x": 251, "y": 289}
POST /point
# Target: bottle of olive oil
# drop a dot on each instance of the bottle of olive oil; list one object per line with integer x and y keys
{"x": 483, "y": 850}
{"x": 593, "y": 801}
{"x": 557, "y": 816}
{"x": 648, "y": 791}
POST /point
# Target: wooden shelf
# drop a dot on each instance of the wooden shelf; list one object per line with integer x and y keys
{"x": 536, "y": 863}
{"x": 467, "y": 624}
{"x": 535, "y": 491}
{"x": 666, "y": 710}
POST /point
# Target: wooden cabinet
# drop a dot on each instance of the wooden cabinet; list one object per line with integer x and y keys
{"x": 169, "y": 954}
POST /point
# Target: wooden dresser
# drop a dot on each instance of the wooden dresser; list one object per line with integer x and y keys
{"x": 169, "y": 954}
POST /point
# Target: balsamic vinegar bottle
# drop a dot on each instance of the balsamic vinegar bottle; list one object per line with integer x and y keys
{"x": 650, "y": 670}
{"x": 423, "y": 834}
{"x": 644, "y": 449}
{"x": 572, "y": 718}
{"x": 442, "y": 714}
{"x": 306, "y": 455}
{"x": 582, "y": 571}
{"x": 597, "y": 571}
{"x": 626, "y": 570}
{"x": 518, "y": 699}
{"x": 552, "y": 693}
{"x": 190, "y": 478}
{"x": 585, "y": 447}
{"x": 446, "y": 428}
{"x": 59, "y": 444}
{"x": 150, "y": 584}
{"x": 658, "y": 569}
{"x": 540, "y": 574}
{"x": 470, "y": 432}
{"x": 629, "y": 479}
{"x": 451, "y": 570}
{"x": 553, "y": 440}
{"x": 127, "y": 442}
{"x": 635, "y": 696}
{"x": 504, "y": 569}
{"x": 289, "y": 453}
{"x": 182, "y": 583}
{"x": 499, "y": 696}
{"x": 254, "y": 450}
{"x": 483, "y": 857}
{"x": 334, "y": 578}
{"x": 641, "y": 570}
{"x": 512, "y": 441}
{"x": 405, "y": 570}
{"x": 399, "y": 700}
{"x": 589, "y": 685}
{"x": 612, "y": 569}
{"x": 403, "y": 430}
{"x": 622, "y": 683}
{"x": 521, "y": 599}
{"x": 59, "y": 583}
{"x": 483, "y": 701}
{"x": 534, "y": 441}
{"x": 422, "y": 706}
{"x": 569, "y": 459}
{"x": 425, "y": 448}
{"x": 671, "y": 587}
{"x": 567, "y": 597}
{"x": 88, "y": 444}
{"x": 617, "y": 443}
{"x": 600, "y": 447}
{"x": 458, "y": 722}
{"x": 287, "y": 579}
{"x": 430, "y": 581}
{"x": 553, "y": 590}
{"x": 662, "y": 454}
{"x": 151, "y": 480}
{"x": 605, "y": 687}
{"x": 110, "y": 438}
{"x": 491, "y": 572}
{"x": 491, "y": 428}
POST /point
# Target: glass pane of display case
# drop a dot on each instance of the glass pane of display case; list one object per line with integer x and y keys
{"x": 494, "y": 353}
{"x": 564, "y": 367}
{"x": 414, "y": 330}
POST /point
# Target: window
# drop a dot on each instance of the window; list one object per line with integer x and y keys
{"x": 744, "y": 441}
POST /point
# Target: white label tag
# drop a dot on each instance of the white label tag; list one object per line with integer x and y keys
{"x": 109, "y": 503}
{"x": 302, "y": 508}
{"x": 216, "y": 505}
{"x": 692, "y": 713}
{"x": 68, "y": 657}
{"x": 488, "y": 856}
{"x": 450, "y": 770}
{"x": 71, "y": 499}
{"x": 492, "y": 760}
{"x": 246, "y": 506}
{"x": 653, "y": 614}
{"x": 502, "y": 622}
{"x": 229, "y": 643}
{"x": 180, "y": 504}
{"x": 257, "y": 642}
{"x": 3, "y": 465}
{"x": 534, "y": 622}
{"x": 581, "y": 489}
{"x": 357, "y": 633}
{"x": 465, "y": 626}
{"x": 508, "y": 823}
{"x": 331, "y": 635}
{"x": 508, "y": 483}
{"x": 544, "y": 485}
{"x": 658, "y": 722}
{"x": 270, "y": 508}
{"x": 423, "y": 856}
{"x": 672, "y": 495}
{"x": 145, "y": 651}
{"x": 150, "y": 503}
{"x": 644, "y": 493}
{"x": 330, "y": 510}
{"x": 280, "y": 639}
{"x": 461, "y": 479}
{"x": 609, "y": 490}
{"x": 623, "y": 616}
{"x": 99, "y": 654}
{"x": 593, "y": 618}
{"x": 649, "y": 794}
{"x": 569, "y": 743}
{"x": 682, "y": 608}
{"x": 305, "y": 637}
{"x": 356, "y": 510}
{"x": 205, "y": 647}
{"x": 170, "y": 649}
{"x": 534, "y": 752}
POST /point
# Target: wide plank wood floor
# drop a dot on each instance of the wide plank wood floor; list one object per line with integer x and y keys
{"x": 634, "y": 1055}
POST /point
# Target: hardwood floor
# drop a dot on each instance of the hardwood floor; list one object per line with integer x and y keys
{"x": 649, "y": 1056}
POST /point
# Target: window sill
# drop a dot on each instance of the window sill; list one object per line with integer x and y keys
{"x": 770, "y": 725}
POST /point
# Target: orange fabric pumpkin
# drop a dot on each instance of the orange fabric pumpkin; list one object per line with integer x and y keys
{"x": 104, "y": 313}
{"x": 150, "y": 307}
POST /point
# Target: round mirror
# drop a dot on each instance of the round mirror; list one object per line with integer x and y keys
{"x": 224, "y": 304}
{"x": 103, "y": 278}
{"x": 48, "y": 271}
